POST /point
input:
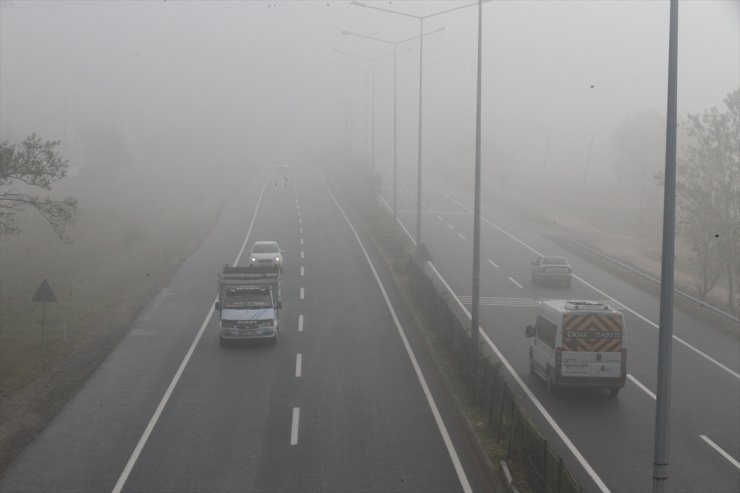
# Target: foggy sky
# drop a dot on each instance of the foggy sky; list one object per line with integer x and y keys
{"x": 261, "y": 80}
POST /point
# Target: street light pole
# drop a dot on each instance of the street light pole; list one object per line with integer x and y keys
{"x": 475, "y": 309}
{"x": 420, "y": 18}
{"x": 395, "y": 104}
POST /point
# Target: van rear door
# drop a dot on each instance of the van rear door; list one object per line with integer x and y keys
{"x": 592, "y": 345}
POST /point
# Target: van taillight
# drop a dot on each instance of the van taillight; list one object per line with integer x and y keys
{"x": 558, "y": 358}
{"x": 624, "y": 362}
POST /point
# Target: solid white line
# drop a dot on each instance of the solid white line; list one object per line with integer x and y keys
{"x": 721, "y": 451}
{"x": 515, "y": 283}
{"x": 460, "y": 235}
{"x": 430, "y": 400}
{"x": 398, "y": 220}
{"x": 300, "y": 323}
{"x": 301, "y": 271}
{"x": 302, "y": 254}
{"x": 301, "y": 293}
{"x": 492, "y": 263}
{"x": 298, "y": 363}
{"x": 641, "y": 386}
{"x": 294, "y": 426}
{"x": 653, "y": 324}
{"x": 559, "y": 431}
{"x": 166, "y": 397}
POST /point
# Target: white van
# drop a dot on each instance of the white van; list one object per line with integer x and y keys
{"x": 578, "y": 343}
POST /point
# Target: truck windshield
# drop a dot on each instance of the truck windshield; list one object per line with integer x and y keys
{"x": 247, "y": 300}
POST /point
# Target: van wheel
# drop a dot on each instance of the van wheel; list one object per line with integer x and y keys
{"x": 614, "y": 391}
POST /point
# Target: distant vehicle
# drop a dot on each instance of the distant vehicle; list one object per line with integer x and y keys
{"x": 551, "y": 269}
{"x": 578, "y": 343}
{"x": 249, "y": 302}
{"x": 266, "y": 254}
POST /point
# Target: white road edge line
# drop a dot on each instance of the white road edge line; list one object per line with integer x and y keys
{"x": 298, "y": 364}
{"x": 653, "y": 324}
{"x": 302, "y": 292}
{"x": 294, "y": 426}
{"x": 515, "y": 283}
{"x": 300, "y": 323}
{"x": 493, "y": 263}
{"x": 168, "y": 393}
{"x": 427, "y": 393}
{"x": 642, "y": 386}
{"x": 721, "y": 451}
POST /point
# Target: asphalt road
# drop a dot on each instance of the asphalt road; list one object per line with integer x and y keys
{"x": 607, "y": 442}
{"x": 337, "y": 405}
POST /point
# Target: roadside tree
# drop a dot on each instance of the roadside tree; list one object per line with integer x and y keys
{"x": 24, "y": 168}
{"x": 709, "y": 194}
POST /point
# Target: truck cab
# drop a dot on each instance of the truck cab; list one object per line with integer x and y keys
{"x": 249, "y": 304}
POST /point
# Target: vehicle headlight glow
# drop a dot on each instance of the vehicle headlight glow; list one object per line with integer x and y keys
{"x": 254, "y": 259}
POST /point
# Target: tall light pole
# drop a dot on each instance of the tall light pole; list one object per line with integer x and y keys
{"x": 372, "y": 99}
{"x": 395, "y": 104}
{"x": 665, "y": 335}
{"x": 421, "y": 19}
{"x": 475, "y": 308}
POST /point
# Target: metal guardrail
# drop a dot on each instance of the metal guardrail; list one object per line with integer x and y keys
{"x": 696, "y": 300}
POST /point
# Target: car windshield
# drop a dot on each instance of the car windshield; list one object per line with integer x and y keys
{"x": 554, "y": 261}
{"x": 265, "y": 248}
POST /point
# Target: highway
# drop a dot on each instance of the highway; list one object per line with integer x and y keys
{"x": 606, "y": 442}
{"x": 346, "y": 401}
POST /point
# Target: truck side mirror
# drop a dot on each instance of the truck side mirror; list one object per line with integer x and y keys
{"x": 529, "y": 331}
{"x": 279, "y": 305}
{"x": 218, "y": 305}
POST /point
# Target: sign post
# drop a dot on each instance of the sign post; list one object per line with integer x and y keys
{"x": 44, "y": 294}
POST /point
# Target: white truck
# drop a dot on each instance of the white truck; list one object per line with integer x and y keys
{"x": 578, "y": 343}
{"x": 249, "y": 303}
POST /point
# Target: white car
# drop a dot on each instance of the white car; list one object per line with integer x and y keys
{"x": 555, "y": 269}
{"x": 266, "y": 254}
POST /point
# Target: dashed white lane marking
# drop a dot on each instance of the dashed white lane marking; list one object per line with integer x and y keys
{"x": 300, "y": 221}
{"x": 298, "y": 364}
{"x": 294, "y": 426}
{"x": 493, "y": 263}
{"x": 642, "y": 386}
{"x": 440, "y": 217}
{"x": 300, "y": 323}
{"x": 450, "y": 226}
{"x": 302, "y": 254}
{"x": 300, "y": 230}
{"x": 645, "y": 319}
{"x": 301, "y": 241}
{"x": 301, "y": 271}
{"x": 302, "y": 293}
{"x": 721, "y": 451}
{"x": 515, "y": 283}
{"x": 461, "y": 235}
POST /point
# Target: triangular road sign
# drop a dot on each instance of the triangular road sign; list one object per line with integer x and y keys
{"x": 44, "y": 293}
